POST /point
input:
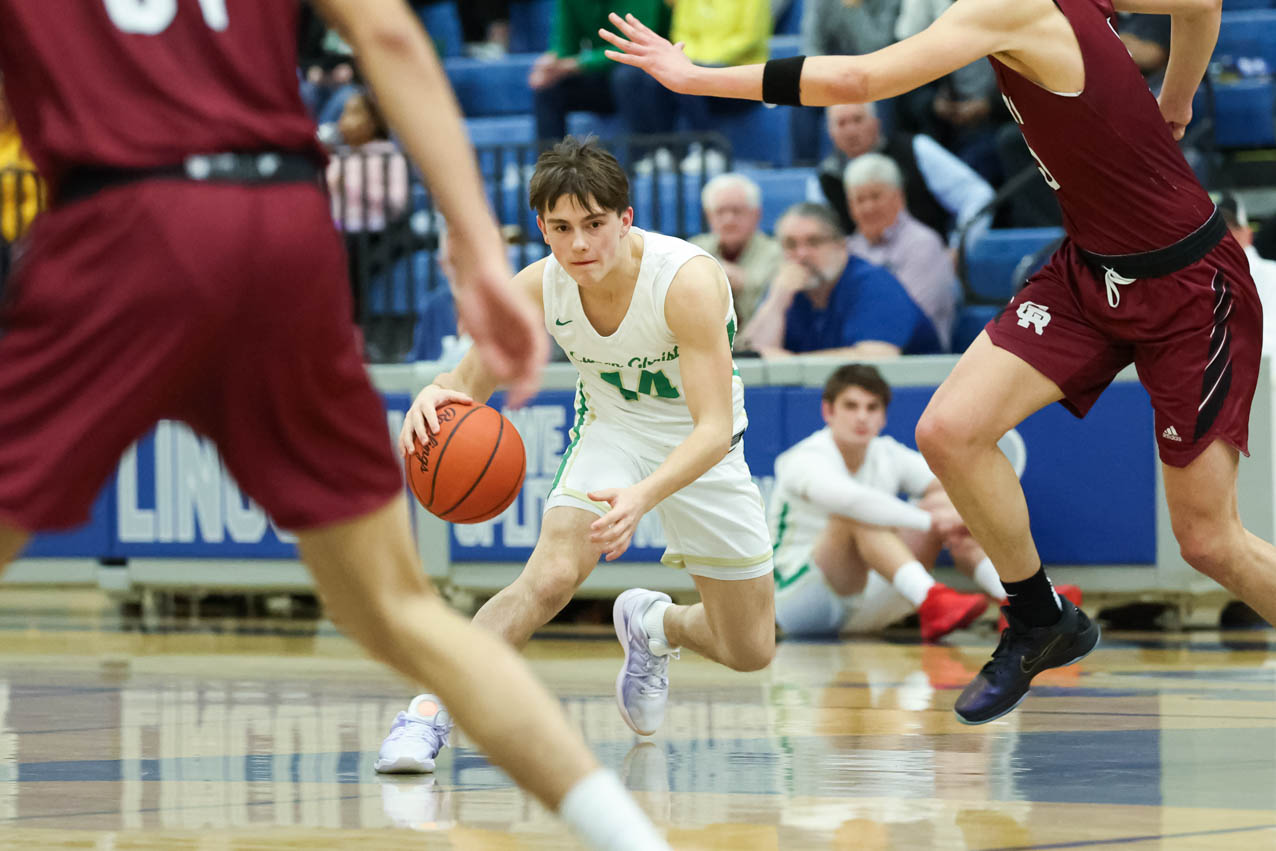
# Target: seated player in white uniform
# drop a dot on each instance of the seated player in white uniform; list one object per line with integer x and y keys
{"x": 659, "y": 416}
{"x": 850, "y": 554}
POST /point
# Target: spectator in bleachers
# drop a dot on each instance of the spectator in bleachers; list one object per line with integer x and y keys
{"x": 1263, "y": 271}
{"x": 715, "y": 33}
{"x": 887, "y": 235}
{"x": 962, "y": 110}
{"x": 368, "y": 179}
{"x": 327, "y": 75}
{"x": 850, "y": 27}
{"x": 21, "y": 192}
{"x": 733, "y": 207}
{"x": 439, "y": 335}
{"x": 574, "y": 75}
{"x": 826, "y": 301}
{"x": 485, "y": 26}
{"x": 942, "y": 192}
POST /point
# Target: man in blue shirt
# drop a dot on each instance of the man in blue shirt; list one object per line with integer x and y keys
{"x": 825, "y": 301}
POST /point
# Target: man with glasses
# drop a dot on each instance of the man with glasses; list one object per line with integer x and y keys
{"x": 825, "y": 301}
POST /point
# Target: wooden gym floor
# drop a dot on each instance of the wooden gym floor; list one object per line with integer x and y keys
{"x": 171, "y": 733}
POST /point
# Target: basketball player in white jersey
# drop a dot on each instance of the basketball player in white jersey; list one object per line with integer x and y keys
{"x": 648, "y": 320}
{"x": 850, "y": 555}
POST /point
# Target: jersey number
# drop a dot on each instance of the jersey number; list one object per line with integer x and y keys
{"x": 651, "y": 383}
{"x": 151, "y": 17}
{"x": 1041, "y": 167}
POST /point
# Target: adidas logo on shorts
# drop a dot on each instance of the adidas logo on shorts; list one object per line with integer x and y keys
{"x": 1171, "y": 433}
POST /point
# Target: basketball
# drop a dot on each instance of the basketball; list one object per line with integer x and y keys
{"x": 472, "y": 468}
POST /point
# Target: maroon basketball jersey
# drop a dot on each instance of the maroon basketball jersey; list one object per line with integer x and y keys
{"x": 1107, "y": 152}
{"x": 145, "y": 83}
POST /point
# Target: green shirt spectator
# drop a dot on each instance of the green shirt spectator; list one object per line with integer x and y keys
{"x": 576, "y": 25}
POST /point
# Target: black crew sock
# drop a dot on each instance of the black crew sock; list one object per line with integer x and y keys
{"x": 1032, "y": 601}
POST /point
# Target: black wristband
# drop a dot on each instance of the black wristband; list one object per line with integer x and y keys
{"x": 782, "y": 81}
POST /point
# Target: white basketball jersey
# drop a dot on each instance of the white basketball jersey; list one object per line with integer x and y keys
{"x": 795, "y": 522}
{"x": 631, "y": 378}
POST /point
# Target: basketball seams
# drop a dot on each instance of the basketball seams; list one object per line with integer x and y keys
{"x": 500, "y": 433}
{"x": 442, "y": 449}
{"x": 504, "y": 502}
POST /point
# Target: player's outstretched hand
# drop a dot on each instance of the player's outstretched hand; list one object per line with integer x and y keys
{"x": 509, "y": 336}
{"x": 422, "y": 418}
{"x": 644, "y": 48}
{"x": 614, "y": 530}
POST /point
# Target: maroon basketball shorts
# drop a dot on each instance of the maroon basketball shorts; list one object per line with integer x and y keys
{"x": 225, "y": 306}
{"x": 1195, "y": 338}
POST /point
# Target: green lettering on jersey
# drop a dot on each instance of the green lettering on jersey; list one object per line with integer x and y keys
{"x": 650, "y": 383}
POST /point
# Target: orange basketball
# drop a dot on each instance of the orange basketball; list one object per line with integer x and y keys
{"x": 472, "y": 469}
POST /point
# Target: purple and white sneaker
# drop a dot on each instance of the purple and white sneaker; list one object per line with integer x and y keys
{"x": 642, "y": 687}
{"x": 416, "y": 738}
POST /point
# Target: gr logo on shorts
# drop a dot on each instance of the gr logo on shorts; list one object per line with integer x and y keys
{"x": 1036, "y": 315}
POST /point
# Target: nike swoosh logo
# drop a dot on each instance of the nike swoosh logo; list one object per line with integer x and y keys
{"x": 561, "y": 322}
{"x": 1028, "y": 666}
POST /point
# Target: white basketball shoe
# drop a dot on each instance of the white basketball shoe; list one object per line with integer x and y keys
{"x": 416, "y": 738}
{"x": 642, "y": 687}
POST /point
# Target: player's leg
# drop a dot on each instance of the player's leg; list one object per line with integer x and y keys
{"x": 368, "y": 576}
{"x": 1045, "y": 347}
{"x": 716, "y": 528}
{"x": 562, "y": 560}
{"x": 941, "y": 609}
{"x": 988, "y": 392}
{"x": 1207, "y": 525}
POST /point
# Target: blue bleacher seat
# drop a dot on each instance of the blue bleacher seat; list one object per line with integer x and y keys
{"x": 992, "y": 259}
{"x": 1244, "y": 114}
{"x": 781, "y": 188}
{"x": 1248, "y": 33}
{"x": 760, "y": 133}
{"x": 443, "y": 23}
{"x": 584, "y": 124}
{"x": 530, "y": 24}
{"x": 970, "y": 321}
{"x": 492, "y": 87}
{"x": 785, "y": 46}
{"x": 662, "y": 213}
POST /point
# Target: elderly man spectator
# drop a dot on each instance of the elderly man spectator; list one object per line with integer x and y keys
{"x": 826, "y": 301}
{"x": 887, "y": 235}
{"x": 733, "y": 206}
{"x": 941, "y": 191}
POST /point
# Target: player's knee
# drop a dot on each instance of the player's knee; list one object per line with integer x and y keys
{"x": 753, "y": 654}
{"x": 939, "y": 436}
{"x": 1210, "y": 548}
{"x": 552, "y": 583}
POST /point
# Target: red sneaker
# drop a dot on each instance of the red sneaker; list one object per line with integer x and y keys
{"x": 945, "y": 610}
{"x": 1072, "y": 592}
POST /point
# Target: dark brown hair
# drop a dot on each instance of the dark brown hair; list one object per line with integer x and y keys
{"x": 860, "y": 375}
{"x": 583, "y": 170}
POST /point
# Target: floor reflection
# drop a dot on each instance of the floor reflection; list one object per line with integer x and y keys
{"x": 173, "y": 733}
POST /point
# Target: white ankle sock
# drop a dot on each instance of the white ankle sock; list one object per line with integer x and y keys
{"x": 653, "y": 623}
{"x": 913, "y": 582}
{"x": 606, "y": 818}
{"x": 988, "y": 581}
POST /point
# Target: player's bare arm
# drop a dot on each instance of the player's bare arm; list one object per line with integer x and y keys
{"x": 472, "y": 380}
{"x": 863, "y": 350}
{"x": 1193, "y": 34}
{"x": 696, "y": 310}
{"x": 401, "y": 66}
{"x": 1031, "y": 36}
